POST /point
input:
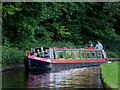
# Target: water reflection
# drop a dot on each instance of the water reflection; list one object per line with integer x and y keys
{"x": 88, "y": 77}
{"x": 13, "y": 79}
{"x": 73, "y": 78}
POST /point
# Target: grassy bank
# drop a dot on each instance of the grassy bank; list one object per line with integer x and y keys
{"x": 109, "y": 72}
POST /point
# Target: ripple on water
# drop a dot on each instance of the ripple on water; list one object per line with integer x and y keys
{"x": 72, "y": 78}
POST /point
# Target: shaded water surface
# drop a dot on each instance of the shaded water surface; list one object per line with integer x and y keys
{"x": 88, "y": 77}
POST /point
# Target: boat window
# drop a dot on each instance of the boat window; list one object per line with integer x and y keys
{"x": 93, "y": 55}
{"x": 99, "y": 54}
{"x": 69, "y": 55}
{"x": 88, "y": 55}
{"x": 77, "y": 55}
{"x": 60, "y": 55}
{"x": 82, "y": 55}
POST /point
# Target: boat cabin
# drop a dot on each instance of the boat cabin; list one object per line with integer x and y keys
{"x": 70, "y": 53}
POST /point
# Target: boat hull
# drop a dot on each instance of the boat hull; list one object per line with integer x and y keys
{"x": 32, "y": 64}
{"x": 60, "y": 66}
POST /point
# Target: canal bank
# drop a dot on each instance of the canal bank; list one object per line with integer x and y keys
{"x": 109, "y": 74}
{"x": 12, "y": 67}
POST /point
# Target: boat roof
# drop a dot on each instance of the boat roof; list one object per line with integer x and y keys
{"x": 93, "y": 49}
{"x": 77, "y": 49}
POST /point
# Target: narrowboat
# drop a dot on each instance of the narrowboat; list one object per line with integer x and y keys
{"x": 62, "y": 58}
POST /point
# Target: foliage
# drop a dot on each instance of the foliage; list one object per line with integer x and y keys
{"x": 109, "y": 73}
{"x": 0, "y": 65}
{"x": 112, "y": 54}
{"x": 10, "y": 9}
{"x": 12, "y": 56}
{"x": 0, "y": 53}
{"x": 51, "y": 44}
{"x": 27, "y": 24}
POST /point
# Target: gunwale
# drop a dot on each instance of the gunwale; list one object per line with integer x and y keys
{"x": 66, "y": 60}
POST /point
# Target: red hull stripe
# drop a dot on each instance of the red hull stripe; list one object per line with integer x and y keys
{"x": 38, "y": 58}
{"x": 66, "y": 61}
{"x": 78, "y": 60}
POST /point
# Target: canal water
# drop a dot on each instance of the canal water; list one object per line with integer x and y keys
{"x": 88, "y": 77}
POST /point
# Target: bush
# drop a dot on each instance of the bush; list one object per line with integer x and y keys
{"x": 0, "y": 53}
{"x": 12, "y": 56}
{"x": 50, "y": 44}
{"x": 112, "y": 54}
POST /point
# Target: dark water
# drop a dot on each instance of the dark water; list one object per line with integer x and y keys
{"x": 72, "y": 78}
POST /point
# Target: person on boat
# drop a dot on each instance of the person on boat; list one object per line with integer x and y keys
{"x": 98, "y": 45}
{"x": 90, "y": 45}
{"x": 33, "y": 52}
{"x": 38, "y": 53}
{"x": 42, "y": 53}
{"x": 47, "y": 54}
